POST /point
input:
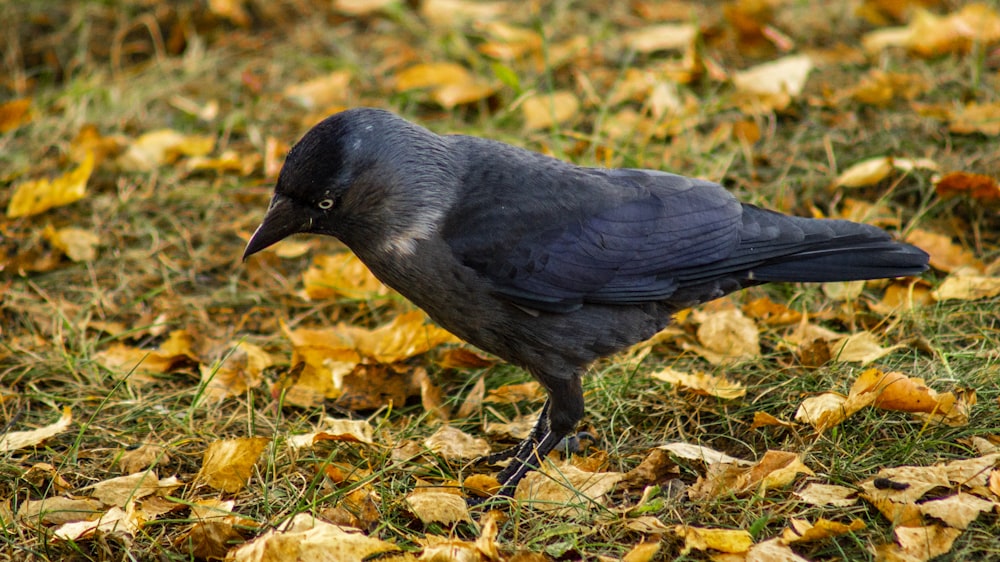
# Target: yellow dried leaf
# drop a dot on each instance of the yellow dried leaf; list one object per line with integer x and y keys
{"x": 544, "y": 111}
{"x": 34, "y": 197}
{"x": 862, "y": 347}
{"x": 702, "y": 383}
{"x": 866, "y": 172}
{"x": 981, "y": 118}
{"x": 918, "y": 544}
{"x": 724, "y": 540}
{"x": 363, "y": 7}
{"x": 727, "y": 336}
{"x": 341, "y": 274}
{"x": 800, "y": 530}
{"x": 823, "y": 411}
{"x": 958, "y": 510}
{"x": 451, "y": 13}
{"x": 229, "y": 463}
{"x": 322, "y": 91}
{"x": 432, "y": 75}
{"x": 114, "y": 520}
{"x": 662, "y": 37}
{"x": 555, "y": 486}
{"x": 240, "y": 370}
{"x": 786, "y": 76}
{"x": 438, "y": 507}
{"x": 58, "y": 510}
{"x": 967, "y": 287}
{"x": 828, "y": 494}
{"x": 308, "y": 538}
{"x": 78, "y": 244}
{"x": 764, "y": 419}
{"x": 643, "y": 552}
{"x": 162, "y": 146}
{"x": 454, "y": 444}
{"x": 452, "y": 95}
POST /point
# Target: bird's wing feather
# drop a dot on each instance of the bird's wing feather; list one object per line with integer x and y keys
{"x": 624, "y": 252}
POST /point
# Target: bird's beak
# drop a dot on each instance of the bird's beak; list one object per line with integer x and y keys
{"x": 283, "y": 219}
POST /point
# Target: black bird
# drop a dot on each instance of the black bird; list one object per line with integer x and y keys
{"x": 543, "y": 263}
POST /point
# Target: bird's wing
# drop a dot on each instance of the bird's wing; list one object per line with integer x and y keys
{"x": 627, "y": 251}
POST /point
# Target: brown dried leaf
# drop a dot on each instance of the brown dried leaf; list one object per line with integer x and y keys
{"x": 980, "y": 187}
{"x": 764, "y": 419}
{"x": 14, "y": 114}
{"x": 78, "y": 244}
{"x": 530, "y": 391}
{"x": 58, "y": 510}
{"x": 945, "y": 255}
{"x": 661, "y": 37}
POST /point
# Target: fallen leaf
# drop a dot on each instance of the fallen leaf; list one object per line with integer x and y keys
{"x": 438, "y": 507}
{"x": 321, "y": 91}
{"x": 530, "y": 391}
{"x": 308, "y": 538}
{"x": 241, "y": 368}
{"x": 561, "y": 488}
{"x": 454, "y": 444}
{"x": 866, "y": 172}
{"x": 966, "y": 286}
{"x": 727, "y": 336}
{"x": 114, "y": 520}
{"x": 142, "y": 457}
{"x": 945, "y": 254}
{"x": 331, "y": 429}
{"x": 125, "y": 490}
{"x": 545, "y": 110}
{"x": 661, "y": 37}
{"x": 58, "y": 511}
{"x": 162, "y": 146}
{"x": 774, "y": 84}
{"x": 958, "y": 510}
{"x": 342, "y": 274}
{"x": 982, "y": 118}
{"x": 764, "y": 419}
{"x": 918, "y": 544}
{"x": 724, "y": 540}
{"x": 828, "y": 494}
{"x": 701, "y": 383}
{"x": 643, "y": 552}
{"x": 862, "y": 347}
{"x": 34, "y": 197}
{"x": 228, "y": 464}
{"x": 14, "y": 440}
{"x": 452, "y": 13}
{"x": 773, "y": 550}
{"x": 78, "y": 244}
{"x": 979, "y": 187}
{"x": 800, "y": 530}
{"x": 930, "y": 35}
{"x": 14, "y": 114}
{"x": 697, "y": 452}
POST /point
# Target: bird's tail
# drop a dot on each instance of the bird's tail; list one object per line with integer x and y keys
{"x": 820, "y": 250}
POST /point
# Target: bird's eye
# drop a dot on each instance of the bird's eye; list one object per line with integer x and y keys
{"x": 325, "y": 204}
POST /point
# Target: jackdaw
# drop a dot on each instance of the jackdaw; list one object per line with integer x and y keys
{"x": 543, "y": 263}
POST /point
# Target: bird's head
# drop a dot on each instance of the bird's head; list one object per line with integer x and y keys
{"x": 364, "y": 176}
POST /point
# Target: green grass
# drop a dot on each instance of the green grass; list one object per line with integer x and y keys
{"x": 171, "y": 244}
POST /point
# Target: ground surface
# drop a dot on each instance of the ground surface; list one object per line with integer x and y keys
{"x": 129, "y": 305}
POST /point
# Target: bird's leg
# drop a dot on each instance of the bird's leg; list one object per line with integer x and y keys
{"x": 541, "y": 426}
{"x": 564, "y": 411}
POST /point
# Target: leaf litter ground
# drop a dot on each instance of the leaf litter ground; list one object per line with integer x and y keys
{"x": 164, "y": 400}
